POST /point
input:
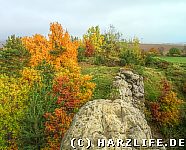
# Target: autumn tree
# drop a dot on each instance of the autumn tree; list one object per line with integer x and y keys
{"x": 57, "y": 49}
{"x": 94, "y": 37}
{"x": 70, "y": 89}
{"x": 112, "y": 45}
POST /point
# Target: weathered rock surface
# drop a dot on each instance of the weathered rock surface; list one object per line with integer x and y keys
{"x": 106, "y": 119}
{"x": 130, "y": 87}
{"x": 121, "y": 118}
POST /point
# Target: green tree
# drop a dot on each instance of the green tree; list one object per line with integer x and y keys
{"x": 112, "y": 45}
{"x": 40, "y": 101}
{"x": 13, "y": 56}
{"x": 174, "y": 52}
{"x": 131, "y": 52}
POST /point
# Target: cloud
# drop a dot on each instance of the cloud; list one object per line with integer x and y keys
{"x": 154, "y": 21}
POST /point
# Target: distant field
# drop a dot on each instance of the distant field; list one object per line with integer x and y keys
{"x": 165, "y": 47}
{"x": 174, "y": 59}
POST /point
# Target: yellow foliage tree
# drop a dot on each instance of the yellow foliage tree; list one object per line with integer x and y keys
{"x": 13, "y": 101}
{"x": 70, "y": 88}
{"x": 94, "y": 36}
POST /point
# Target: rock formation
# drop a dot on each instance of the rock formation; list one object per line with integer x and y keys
{"x": 117, "y": 119}
{"x": 130, "y": 87}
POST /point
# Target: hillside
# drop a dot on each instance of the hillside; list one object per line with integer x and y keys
{"x": 175, "y": 73}
{"x": 163, "y": 47}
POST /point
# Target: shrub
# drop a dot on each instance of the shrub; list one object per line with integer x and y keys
{"x": 72, "y": 91}
{"x": 128, "y": 57}
{"x": 150, "y": 60}
{"x": 105, "y": 48}
{"x": 81, "y": 53}
{"x": 13, "y": 101}
{"x": 166, "y": 110}
{"x": 156, "y": 62}
{"x": 131, "y": 53}
{"x": 99, "y": 59}
{"x": 184, "y": 51}
{"x": 56, "y": 125}
{"x": 174, "y": 52}
{"x": 153, "y": 52}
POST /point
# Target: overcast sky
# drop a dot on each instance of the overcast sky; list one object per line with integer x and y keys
{"x": 152, "y": 21}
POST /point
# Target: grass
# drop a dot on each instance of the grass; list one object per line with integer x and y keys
{"x": 103, "y": 77}
{"x": 152, "y": 78}
{"x": 174, "y": 59}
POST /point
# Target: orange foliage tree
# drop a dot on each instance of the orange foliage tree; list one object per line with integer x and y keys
{"x": 72, "y": 91}
{"x": 57, "y": 49}
{"x": 70, "y": 87}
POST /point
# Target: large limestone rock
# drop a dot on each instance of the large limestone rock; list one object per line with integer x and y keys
{"x": 121, "y": 118}
{"x": 106, "y": 119}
